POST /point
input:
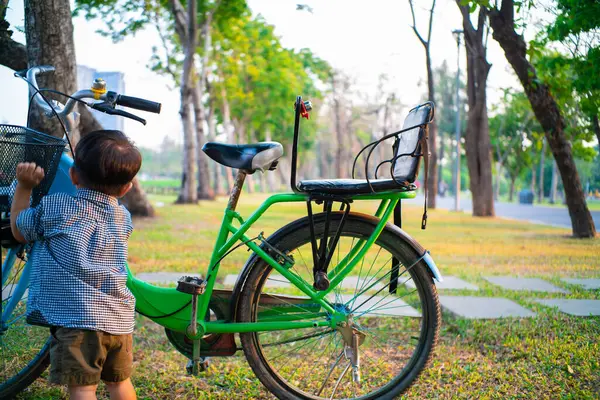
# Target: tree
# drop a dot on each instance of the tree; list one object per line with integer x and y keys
{"x": 49, "y": 36}
{"x": 432, "y": 184}
{"x": 515, "y": 134}
{"x": 445, "y": 101}
{"x": 547, "y": 112}
{"x": 477, "y": 139}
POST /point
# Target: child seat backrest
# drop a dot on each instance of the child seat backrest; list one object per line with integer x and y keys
{"x": 407, "y": 155}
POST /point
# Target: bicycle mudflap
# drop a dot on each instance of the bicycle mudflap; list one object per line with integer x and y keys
{"x": 323, "y": 252}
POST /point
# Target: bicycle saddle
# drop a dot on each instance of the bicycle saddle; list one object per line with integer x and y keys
{"x": 247, "y": 157}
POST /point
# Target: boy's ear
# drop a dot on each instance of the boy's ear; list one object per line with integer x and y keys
{"x": 125, "y": 189}
{"x": 74, "y": 177}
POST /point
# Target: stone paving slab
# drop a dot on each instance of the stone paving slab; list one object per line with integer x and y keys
{"x": 381, "y": 306}
{"x": 163, "y": 277}
{"x": 353, "y": 282}
{"x": 472, "y": 307}
{"x": 589, "y": 284}
{"x": 524, "y": 284}
{"x": 582, "y": 308}
{"x": 449, "y": 283}
{"x": 274, "y": 280}
{"x": 230, "y": 280}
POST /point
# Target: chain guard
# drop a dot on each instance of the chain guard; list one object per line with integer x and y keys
{"x": 214, "y": 344}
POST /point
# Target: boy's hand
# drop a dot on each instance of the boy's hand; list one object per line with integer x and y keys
{"x": 29, "y": 175}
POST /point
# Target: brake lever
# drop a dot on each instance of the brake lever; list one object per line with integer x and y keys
{"x": 108, "y": 109}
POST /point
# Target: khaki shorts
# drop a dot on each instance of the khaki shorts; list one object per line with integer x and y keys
{"x": 82, "y": 357}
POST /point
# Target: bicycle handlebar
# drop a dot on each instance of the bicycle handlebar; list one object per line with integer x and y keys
{"x": 138, "y": 104}
{"x": 109, "y": 98}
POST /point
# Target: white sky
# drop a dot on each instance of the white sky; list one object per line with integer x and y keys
{"x": 364, "y": 39}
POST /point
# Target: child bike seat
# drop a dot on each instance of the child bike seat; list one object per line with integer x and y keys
{"x": 352, "y": 186}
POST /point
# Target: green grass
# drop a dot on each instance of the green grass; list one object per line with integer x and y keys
{"x": 551, "y": 356}
{"x": 593, "y": 205}
{"x": 161, "y": 183}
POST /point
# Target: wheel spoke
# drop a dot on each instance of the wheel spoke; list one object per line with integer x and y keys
{"x": 318, "y": 361}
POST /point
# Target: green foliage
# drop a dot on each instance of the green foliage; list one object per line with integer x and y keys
{"x": 575, "y": 17}
{"x": 165, "y": 162}
{"x": 515, "y": 134}
{"x": 261, "y": 79}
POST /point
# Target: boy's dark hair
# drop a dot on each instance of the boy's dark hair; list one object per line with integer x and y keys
{"x": 106, "y": 161}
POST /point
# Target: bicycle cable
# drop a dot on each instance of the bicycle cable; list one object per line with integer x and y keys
{"x": 39, "y": 91}
{"x": 189, "y": 302}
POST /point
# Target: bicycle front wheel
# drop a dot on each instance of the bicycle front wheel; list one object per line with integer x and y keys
{"x": 24, "y": 348}
{"x": 398, "y": 331}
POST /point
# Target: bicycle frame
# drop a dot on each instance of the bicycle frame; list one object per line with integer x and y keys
{"x": 156, "y": 302}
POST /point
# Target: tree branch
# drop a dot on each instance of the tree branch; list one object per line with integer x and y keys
{"x": 430, "y": 22}
{"x": 414, "y": 25}
{"x": 12, "y": 53}
{"x": 163, "y": 39}
{"x": 181, "y": 18}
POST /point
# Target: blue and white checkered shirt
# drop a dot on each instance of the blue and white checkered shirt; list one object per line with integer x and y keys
{"x": 78, "y": 276}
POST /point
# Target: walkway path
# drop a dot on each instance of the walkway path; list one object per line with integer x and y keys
{"x": 556, "y": 216}
{"x": 469, "y": 306}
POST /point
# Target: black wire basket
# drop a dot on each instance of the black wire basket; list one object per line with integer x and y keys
{"x": 19, "y": 144}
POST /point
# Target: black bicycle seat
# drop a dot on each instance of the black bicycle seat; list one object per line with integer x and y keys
{"x": 247, "y": 157}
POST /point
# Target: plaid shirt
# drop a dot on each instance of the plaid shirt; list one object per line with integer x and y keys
{"x": 78, "y": 276}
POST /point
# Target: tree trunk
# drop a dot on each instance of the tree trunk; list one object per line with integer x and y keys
{"x": 477, "y": 139}
{"x": 12, "y": 54}
{"x": 554, "y": 185}
{"x": 49, "y": 36}
{"x": 229, "y": 132}
{"x": 339, "y": 152}
{"x": 541, "y": 177}
{"x": 547, "y": 113}
{"x": 136, "y": 201}
{"x": 441, "y": 159}
{"x": 532, "y": 187}
{"x": 212, "y": 133}
{"x": 188, "y": 193}
{"x": 596, "y": 125}
{"x": 433, "y": 160}
{"x": 205, "y": 191}
{"x": 498, "y": 177}
{"x": 50, "y": 42}
{"x": 512, "y": 188}
{"x": 270, "y": 175}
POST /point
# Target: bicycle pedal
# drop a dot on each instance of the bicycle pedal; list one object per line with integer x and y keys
{"x": 191, "y": 285}
{"x": 202, "y": 366}
{"x": 321, "y": 281}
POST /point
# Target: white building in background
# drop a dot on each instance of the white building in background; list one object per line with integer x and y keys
{"x": 115, "y": 82}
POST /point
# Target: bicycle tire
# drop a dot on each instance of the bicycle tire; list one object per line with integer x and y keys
{"x": 297, "y": 234}
{"x": 24, "y": 377}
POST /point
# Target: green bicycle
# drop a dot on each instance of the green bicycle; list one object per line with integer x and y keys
{"x": 337, "y": 304}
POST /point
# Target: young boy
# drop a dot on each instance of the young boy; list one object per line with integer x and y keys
{"x": 78, "y": 274}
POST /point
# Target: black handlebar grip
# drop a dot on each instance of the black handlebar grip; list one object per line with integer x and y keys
{"x": 138, "y": 104}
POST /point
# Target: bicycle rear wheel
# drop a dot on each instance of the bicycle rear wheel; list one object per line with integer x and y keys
{"x": 24, "y": 348}
{"x": 399, "y": 329}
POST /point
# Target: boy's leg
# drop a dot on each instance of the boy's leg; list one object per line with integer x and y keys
{"x": 121, "y": 390}
{"x": 118, "y": 366}
{"x": 82, "y": 392}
